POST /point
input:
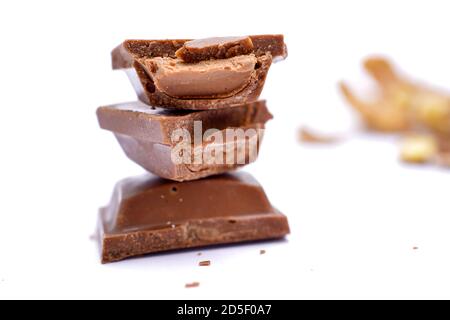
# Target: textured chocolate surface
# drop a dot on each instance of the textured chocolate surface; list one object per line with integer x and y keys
{"x": 215, "y": 48}
{"x": 140, "y": 58}
{"x": 124, "y": 55}
{"x": 145, "y": 134}
{"x": 148, "y": 214}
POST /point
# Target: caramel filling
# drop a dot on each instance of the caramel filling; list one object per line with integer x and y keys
{"x": 206, "y": 79}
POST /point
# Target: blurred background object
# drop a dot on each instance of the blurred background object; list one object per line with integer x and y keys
{"x": 404, "y": 106}
{"x": 417, "y": 112}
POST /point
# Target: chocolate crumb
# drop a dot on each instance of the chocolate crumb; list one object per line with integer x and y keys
{"x": 262, "y": 252}
{"x": 415, "y": 248}
{"x": 192, "y": 285}
{"x": 206, "y": 263}
{"x": 199, "y": 254}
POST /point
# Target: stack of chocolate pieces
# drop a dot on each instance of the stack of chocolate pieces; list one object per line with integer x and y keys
{"x": 198, "y": 118}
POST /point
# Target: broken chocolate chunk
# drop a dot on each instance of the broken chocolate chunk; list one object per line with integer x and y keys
{"x": 146, "y": 216}
{"x": 162, "y": 79}
{"x": 149, "y": 137}
{"x": 214, "y": 48}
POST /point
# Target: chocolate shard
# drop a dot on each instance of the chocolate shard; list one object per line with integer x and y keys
{"x": 147, "y": 137}
{"x": 162, "y": 79}
{"x": 214, "y": 48}
{"x": 148, "y": 214}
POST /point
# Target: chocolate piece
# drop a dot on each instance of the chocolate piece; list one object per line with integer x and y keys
{"x": 147, "y": 214}
{"x": 192, "y": 285}
{"x": 144, "y": 59}
{"x": 214, "y": 48}
{"x": 145, "y": 134}
{"x": 157, "y": 125}
{"x": 205, "y": 263}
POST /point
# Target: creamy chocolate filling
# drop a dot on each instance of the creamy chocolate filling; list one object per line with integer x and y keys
{"x": 205, "y": 79}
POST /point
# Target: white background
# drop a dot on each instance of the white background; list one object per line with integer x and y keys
{"x": 356, "y": 213}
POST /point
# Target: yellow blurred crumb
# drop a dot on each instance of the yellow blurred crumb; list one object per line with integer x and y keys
{"x": 418, "y": 149}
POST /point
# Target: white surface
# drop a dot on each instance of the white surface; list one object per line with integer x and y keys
{"x": 355, "y": 212}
